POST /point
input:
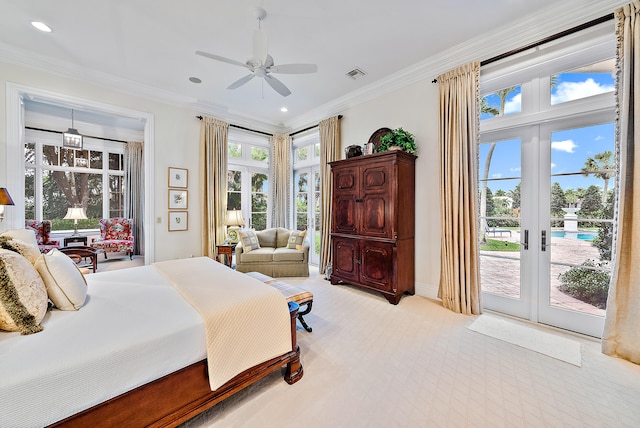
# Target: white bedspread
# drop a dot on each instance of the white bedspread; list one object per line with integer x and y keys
{"x": 246, "y": 322}
{"x": 134, "y": 328}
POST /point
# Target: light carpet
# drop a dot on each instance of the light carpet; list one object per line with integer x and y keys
{"x": 370, "y": 364}
{"x": 552, "y": 345}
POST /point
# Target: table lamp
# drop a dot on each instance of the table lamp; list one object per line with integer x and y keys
{"x": 75, "y": 214}
{"x": 5, "y": 199}
{"x": 234, "y": 222}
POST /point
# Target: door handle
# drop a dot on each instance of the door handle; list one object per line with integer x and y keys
{"x": 543, "y": 240}
{"x": 525, "y": 244}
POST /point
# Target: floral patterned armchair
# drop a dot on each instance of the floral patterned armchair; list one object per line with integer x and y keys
{"x": 42, "y": 230}
{"x": 116, "y": 235}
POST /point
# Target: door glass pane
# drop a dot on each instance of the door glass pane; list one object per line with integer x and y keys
{"x": 499, "y": 181}
{"x": 583, "y": 82}
{"x": 302, "y": 200}
{"x": 259, "y": 154}
{"x": 259, "y": 186}
{"x": 582, "y": 191}
{"x": 234, "y": 190}
{"x": 502, "y": 102}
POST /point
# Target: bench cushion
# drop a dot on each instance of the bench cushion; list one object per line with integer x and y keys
{"x": 259, "y": 255}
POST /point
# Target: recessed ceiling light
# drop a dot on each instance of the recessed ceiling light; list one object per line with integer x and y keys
{"x": 284, "y": 109}
{"x": 41, "y": 26}
{"x": 194, "y": 80}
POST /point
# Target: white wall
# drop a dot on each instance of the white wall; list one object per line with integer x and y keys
{"x": 414, "y": 108}
{"x": 176, "y": 137}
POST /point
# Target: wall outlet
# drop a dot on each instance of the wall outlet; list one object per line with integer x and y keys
{"x": 158, "y": 219}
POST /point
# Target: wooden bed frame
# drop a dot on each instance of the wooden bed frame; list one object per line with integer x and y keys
{"x": 181, "y": 395}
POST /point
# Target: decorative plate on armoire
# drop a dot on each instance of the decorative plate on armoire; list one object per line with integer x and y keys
{"x": 375, "y": 137}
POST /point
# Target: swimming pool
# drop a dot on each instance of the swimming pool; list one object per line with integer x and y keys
{"x": 583, "y": 236}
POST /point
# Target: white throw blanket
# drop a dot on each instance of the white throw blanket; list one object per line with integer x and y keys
{"x": 246, "y": 321}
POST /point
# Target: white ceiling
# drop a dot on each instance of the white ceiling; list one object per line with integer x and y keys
{"x": 147, "y": 47}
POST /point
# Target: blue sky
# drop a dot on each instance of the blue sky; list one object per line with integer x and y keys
{"x": 569, "y": 149}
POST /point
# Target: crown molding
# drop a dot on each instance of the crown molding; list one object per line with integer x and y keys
{"x": 546, "y": 22}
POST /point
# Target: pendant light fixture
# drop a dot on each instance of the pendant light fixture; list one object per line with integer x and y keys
{"x": 72, "y": 138}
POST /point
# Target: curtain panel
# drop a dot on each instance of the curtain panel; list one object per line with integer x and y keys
{"x": 134, "y": 194}
{"x": 213, "y": 176}
{"x": 458, "y": 132}
{"x": 280, "y": 166}
{"x": 329, "y": 130}
{"x": 621, "y": 336}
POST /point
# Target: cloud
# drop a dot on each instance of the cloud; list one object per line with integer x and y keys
{"x": 567, "y": 91}
{"x": 513, "y": 105}
{"x": 564, "y": 146}
{"x": 497, "y": 175}
{"x": 553, "y": 165}
{"x": 599, "y": 137}
{"x": 515, "y": 169}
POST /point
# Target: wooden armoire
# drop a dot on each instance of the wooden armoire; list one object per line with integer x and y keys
{"x": 373, "y": 223}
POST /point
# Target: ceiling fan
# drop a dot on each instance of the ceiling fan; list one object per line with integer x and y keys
{"x": 262, "y": 64}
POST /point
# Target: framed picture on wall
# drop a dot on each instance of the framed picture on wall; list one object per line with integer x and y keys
{"x": 177, "y": 199}
{"x": 178, "y": 221}
{"x": 178, "y": 177}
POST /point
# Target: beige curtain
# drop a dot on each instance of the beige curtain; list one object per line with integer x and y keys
{"x": 213, "y": 176}
{"x": 134, "y": 195}
{"x": 621, "y": 336}
{"x": 458, "y": 130}
{"x": 329, "y": 148}
{"x": 281, "y": 175}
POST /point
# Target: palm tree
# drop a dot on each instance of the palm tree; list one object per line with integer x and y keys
{"x": 601, "y": 166}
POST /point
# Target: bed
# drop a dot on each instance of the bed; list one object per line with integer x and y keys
{"x": 139, "y": 354}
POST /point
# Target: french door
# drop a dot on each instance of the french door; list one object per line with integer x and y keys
{"x": 546, "y": 220}
{"x": 307, "y": 209}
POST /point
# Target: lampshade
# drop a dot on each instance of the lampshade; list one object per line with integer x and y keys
{"x": 234, "y": 218}
{"x": 5, "y": 197}
{"x": 75, "y": 214}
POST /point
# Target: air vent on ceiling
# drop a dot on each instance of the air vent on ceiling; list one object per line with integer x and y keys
{"x": 356, "y": 73}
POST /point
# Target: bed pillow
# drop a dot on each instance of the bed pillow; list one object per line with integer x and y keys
{"x": 249, "y": 240}
{"x": 296, "y": 239}
{"x": 65, "y": 283}
{"x": 24, "y": 235}
{"x": 23, "y": 296}
{"x": 31, "y": 252}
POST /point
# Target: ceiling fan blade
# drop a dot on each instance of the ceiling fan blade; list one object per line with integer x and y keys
{"x": 277, "y": 85}
{"x": 260, "y": 46}
{"x": 241, "y": 81}
{"x": 294, "y": 68}
{"x": 221, "y": 58}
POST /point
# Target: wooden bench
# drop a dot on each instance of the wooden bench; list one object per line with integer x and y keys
{"x": 291, "y": 293}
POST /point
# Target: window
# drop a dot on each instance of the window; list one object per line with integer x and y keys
{"x": 248, "y": 177}
{"x": 58, "y": 178}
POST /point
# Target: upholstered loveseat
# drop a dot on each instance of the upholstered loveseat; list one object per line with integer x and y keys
{"x": 274, "y": 252}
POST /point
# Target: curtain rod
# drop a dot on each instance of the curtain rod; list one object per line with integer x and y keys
{"x": 310, "y": 127}
{"x": 551, "y": 38}
{"x": 88, "y": 136}
{"x": 243, "y": 128}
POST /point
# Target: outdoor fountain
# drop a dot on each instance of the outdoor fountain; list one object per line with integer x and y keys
{"x": 570, "y": 222}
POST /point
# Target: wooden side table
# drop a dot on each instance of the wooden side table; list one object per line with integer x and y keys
{"x": 83, "y": 253}
{"x": 74, "y": 240}
{"x": 225, "y": 250}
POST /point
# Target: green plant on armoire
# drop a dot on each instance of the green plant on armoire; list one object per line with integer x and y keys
{"x": 398, "y": 138}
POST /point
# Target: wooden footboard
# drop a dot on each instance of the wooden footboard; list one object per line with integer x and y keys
{"x": 179, "y": 396}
